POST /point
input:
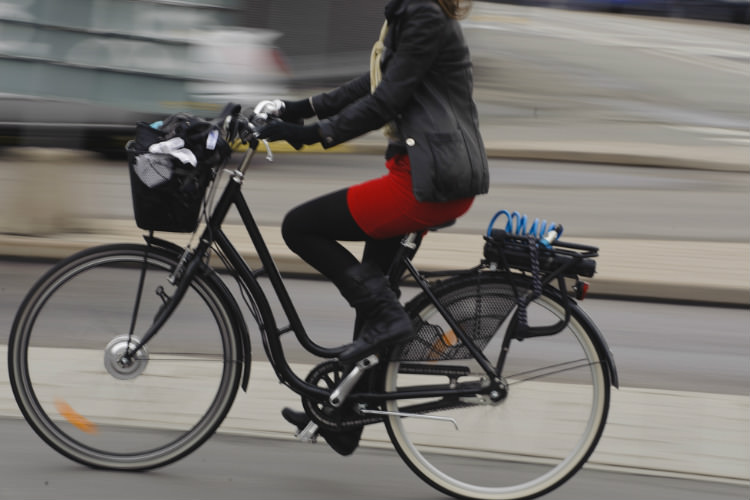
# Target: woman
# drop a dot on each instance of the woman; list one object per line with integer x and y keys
{"x": 420, "y": 89}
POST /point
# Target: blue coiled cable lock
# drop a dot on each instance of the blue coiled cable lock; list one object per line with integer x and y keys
{"x": 517, "y": 226}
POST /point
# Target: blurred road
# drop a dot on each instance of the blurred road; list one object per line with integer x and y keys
{"x": 232, "y": 468}
{"x": 547, "y": 63}
{"x": 672, "y": 347}
{"x": 678, "y": 414}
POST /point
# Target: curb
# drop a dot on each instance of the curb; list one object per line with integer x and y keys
{"x": 651, "y": 270}
{"x": 613, "y": 153}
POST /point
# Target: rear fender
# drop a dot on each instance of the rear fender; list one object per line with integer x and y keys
{"x": 600, "y": 343}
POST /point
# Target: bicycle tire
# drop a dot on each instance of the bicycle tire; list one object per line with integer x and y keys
{"x": 64, "y": 355}
{"x": 534, "y": 439}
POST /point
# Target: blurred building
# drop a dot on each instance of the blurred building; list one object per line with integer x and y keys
{"x": 324, "y": 41}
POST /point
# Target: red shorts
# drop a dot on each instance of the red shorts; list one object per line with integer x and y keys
{"x": 386, "y": 207}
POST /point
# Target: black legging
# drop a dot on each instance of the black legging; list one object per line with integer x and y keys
{"x": 313, "y": 231}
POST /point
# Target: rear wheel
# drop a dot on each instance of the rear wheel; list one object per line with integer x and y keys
{"x": 81, "y": 392}
{"x": 519, "y": 445}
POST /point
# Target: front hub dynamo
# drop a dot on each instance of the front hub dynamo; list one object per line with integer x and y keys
{"x": 121, "y": 359}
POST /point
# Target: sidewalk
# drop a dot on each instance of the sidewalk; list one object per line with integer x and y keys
{"x": 701, "y": 271}
{"x": 641, "y": 269}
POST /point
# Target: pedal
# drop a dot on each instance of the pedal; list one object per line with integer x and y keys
{"x": 309, "y": 434}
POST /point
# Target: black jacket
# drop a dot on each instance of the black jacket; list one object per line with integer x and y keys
{"x": 426, "y": 89}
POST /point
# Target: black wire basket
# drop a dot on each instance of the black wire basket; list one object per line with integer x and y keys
{"x": 168, "y": 194}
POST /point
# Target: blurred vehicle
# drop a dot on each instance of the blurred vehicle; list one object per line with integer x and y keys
{"x": 733, "y": 11}
{"x": 80, "y": 73}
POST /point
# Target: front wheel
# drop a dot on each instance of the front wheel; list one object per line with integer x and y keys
{"x": 516, "y": 445}
{"x": 85, "y": 396}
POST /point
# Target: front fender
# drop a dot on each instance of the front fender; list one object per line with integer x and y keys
{"x": 238, "y": 321}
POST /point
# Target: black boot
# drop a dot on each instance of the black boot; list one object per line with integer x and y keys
{"x": 343, "y": 442}
{"x": 384, "y": 320}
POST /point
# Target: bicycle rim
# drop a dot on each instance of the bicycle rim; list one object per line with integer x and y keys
{"x": 524, "y": 445}
{"x": 65, "y": 350}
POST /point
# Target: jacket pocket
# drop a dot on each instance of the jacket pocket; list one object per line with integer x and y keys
{"x": 451, "y": 165}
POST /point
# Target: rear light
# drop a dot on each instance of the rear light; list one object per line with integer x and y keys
{"x": 581, "y": 288}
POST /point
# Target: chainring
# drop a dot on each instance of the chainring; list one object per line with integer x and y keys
{"x": 328, "y": 375}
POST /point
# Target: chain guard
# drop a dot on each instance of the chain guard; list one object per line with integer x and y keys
{"x": 328, "y": 375}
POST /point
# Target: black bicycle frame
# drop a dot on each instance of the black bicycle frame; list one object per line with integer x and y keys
{"x": 270, "y": 332}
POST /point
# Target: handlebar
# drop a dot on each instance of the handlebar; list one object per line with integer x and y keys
{"x": 236, "y": 126}
{"x": 245, "y": 128}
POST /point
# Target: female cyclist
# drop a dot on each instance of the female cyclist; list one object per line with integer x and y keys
{"x": 419, "y": 89}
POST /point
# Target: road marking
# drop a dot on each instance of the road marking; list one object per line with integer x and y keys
{"x": 75, "y": 418}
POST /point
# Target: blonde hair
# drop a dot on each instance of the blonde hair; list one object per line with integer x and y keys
{"x": 456, "y": 9}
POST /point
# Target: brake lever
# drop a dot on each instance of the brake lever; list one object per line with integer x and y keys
{"x": 257, "y": 121}
{"x": 269, "y": 153}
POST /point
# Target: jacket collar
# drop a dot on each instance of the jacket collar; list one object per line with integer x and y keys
{"x": 394, "y": 8}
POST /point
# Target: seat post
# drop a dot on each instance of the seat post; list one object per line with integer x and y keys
{"x": 408, "y": 248}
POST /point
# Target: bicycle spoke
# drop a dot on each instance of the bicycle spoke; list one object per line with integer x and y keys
{"x": 547, "y": 371}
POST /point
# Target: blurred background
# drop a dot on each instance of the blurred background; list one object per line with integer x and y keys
{"x": 79, "y": 73}
{"x": 76, "y": 73}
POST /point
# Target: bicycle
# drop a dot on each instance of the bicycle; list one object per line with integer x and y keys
{"x": 503, "y": 392}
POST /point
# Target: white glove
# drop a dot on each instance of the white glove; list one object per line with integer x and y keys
{"x": 270, "y": 108}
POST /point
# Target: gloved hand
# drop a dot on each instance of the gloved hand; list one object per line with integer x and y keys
{"x": 296, "y": 135}
{"x": 296, "y": 111}
{"x": 289, "y": 111}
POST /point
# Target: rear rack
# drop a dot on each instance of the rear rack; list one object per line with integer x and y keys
{"x": 510, "y": 251}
